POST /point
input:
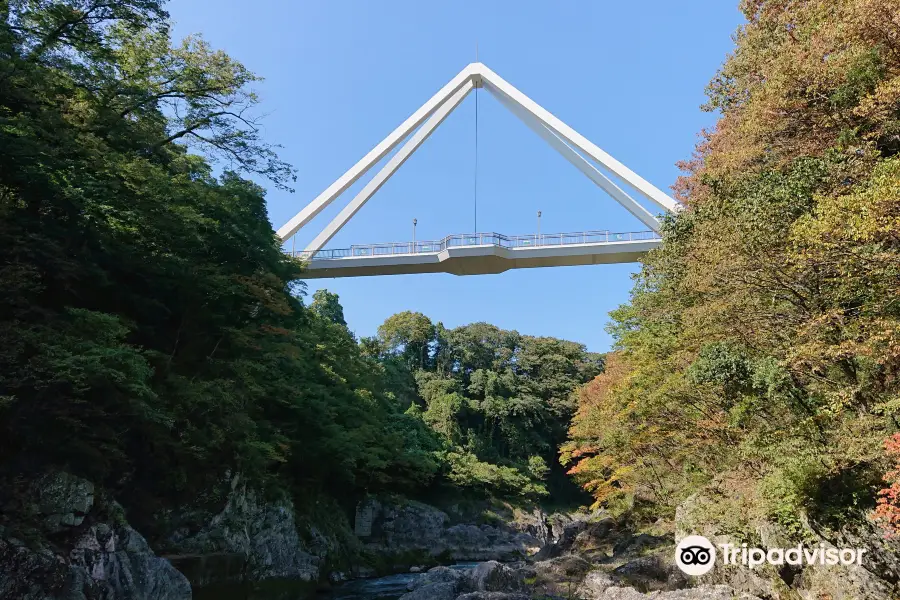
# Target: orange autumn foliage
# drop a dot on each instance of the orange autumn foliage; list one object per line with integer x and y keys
{"x": 760, "y": 350}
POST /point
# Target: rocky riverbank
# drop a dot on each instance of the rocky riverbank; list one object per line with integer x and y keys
{"x": 74, "y": 543}
{"x": 402, "y": 530}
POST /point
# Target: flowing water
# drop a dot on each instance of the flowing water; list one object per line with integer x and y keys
{"x": 381, "y": 588}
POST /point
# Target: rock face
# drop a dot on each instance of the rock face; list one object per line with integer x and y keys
{"x": 703, "y": 592}
{"x": 876, "y": 579}
{"x": 63, "y": 500}
{"x": 495, "y": 581}
{"x": 264, "y": 533}
{"x": 96, "y": 555}
{"x": 492, "y": 596}
{"x": 492, "y": 576}
{"x": 487, "y": 581}
{"x": 432, "y": 591}
{"x": 652, "y": 572}
{"x": 596, "y": 537}
{"x": 563, "y": 568}
{"x": 389, "y": 527}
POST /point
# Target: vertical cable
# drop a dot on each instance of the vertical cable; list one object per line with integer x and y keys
{"x": 476, "y": 160}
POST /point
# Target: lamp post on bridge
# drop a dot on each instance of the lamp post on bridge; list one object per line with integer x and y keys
{"x": 415, "y": 222}
{"x": 538, "y": 241}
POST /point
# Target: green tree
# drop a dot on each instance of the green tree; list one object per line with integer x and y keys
{"x": 152, "y": 337}
{"x": 757, "y": 353}
{"x": 409, "y": 334}
{"x": 327, "y": 305}
{"x": 500, "y": 401}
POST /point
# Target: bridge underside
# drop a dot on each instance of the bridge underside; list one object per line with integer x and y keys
{"x": 480, "y": 259}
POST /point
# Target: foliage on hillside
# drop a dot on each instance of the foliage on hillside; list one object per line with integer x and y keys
{"x": 888, "y": 510}
{"x": 151, "y": 336}
{"x": 499, "y": 400}
{"x": 760, "y": 351}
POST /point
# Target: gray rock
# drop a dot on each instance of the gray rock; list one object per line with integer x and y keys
{"x": 264, "y": 532}
{"x": 440, "y": 575}
{"x": 408, "y": 524}
{"x": 63, "y": 499}
{"x": 31, "y": 575}
{"x": 491, "y": 596}
{"x": 588, "y": 534}
{"x": 117, "y": 563}
{"x": 703, "y": 592}
{"x": 393, "y": 527}
{"x": 466, "y": 536}
{"x": 492, "y": 576}
{"x": 563, "y": 568}
{"x": 432, "y": 591}
{"x": 651, "y": 572}
{"x": 621, "y": 593}
{"x": 594, "y": 584}
{"x": 108, "y": 560}
{"x": 537, "y": 525}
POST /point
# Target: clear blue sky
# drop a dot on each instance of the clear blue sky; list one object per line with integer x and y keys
{"x": 341, "y": 75}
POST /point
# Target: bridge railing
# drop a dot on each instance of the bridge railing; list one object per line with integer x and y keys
{"x": 479, "y": 239}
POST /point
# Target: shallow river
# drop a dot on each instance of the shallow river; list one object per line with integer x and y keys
{"x": 382, "y": 588}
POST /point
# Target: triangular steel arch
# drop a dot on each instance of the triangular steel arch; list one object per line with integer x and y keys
{"x": 430, "y": 115}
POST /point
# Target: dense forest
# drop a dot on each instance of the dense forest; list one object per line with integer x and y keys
{"x": 499, "y": 401}
{"x": 758, "y": 358}
{"x": 154, "y": 338}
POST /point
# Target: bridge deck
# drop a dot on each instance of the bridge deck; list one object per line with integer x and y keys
{"x": 480, "y": 254}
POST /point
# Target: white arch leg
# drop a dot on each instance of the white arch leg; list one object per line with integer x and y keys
{"x": 391, "y": 167}
{"x": 375, "y": 155}
{"x": 652, "y": 193}
{"x": 594, "y": 174}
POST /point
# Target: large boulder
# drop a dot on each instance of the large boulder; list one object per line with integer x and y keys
{"x": 596, "y": 536}
{"x": 432, "y": 591}
{"x": 440, "y": 575}
{"x": 439, "y": 582}
{"x": 400, "y": 524}
{"x": 493, "y": 596}
{"x": 558, "y": 576}
{"x": 402, "y": 529}
{"x": 265, "y": 533}
{"x": 492, "y": 576}
{"x": 114, "y": 561}
{"x": 95, "y": 554}
{"x": 563, "y": 568}
{"x": 595, "y": 584}
{"x": 651, "y": 572}
{"x": 703, "y": 592}
{"x": 62, "y": 499}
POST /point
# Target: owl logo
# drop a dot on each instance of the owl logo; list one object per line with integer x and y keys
{"x": 695, "y": 555}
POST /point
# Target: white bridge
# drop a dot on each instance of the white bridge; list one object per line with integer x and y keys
{"x": 480, "y": 253}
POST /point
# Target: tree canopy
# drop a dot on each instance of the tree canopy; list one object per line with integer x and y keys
{"x": 153, "y": 335}
{"x": 759, "y": 352}
{"x": 499, "y": 400}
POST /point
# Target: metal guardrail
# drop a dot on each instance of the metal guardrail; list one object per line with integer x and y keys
{"x": 479, "y": 239}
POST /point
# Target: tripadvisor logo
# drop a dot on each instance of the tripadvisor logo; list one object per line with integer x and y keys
{"x": 696, "y": 555}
